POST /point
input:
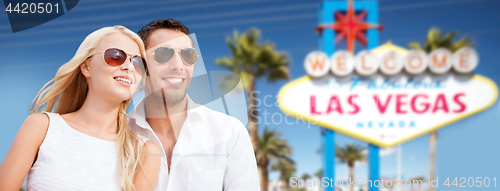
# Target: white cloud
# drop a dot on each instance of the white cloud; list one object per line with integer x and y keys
{"x": 387, "y": 151}
{"x": 358, "y": 163}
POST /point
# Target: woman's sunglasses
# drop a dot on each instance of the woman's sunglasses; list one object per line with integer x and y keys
{"x": 116, "y": 57}
{"x": 163, "y": 55}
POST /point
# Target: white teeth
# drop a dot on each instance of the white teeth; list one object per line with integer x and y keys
{"x": 123, "y": 80}
{"x": 174, "y": 80}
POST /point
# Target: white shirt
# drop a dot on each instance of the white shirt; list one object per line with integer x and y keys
{"x": 71, "y": 160}
{"x": 213, "y": 152}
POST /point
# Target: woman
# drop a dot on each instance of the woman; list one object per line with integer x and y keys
{"x": 86, "y": 144}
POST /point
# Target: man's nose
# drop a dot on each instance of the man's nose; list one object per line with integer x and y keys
{"x": 176, "y": 63}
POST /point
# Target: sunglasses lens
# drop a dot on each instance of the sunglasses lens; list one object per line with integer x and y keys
{"x": 164, "y": 54}
{"x": 139, "y": 64}
{"x": 190, "y": 55}
{"x": 114, "y": 57}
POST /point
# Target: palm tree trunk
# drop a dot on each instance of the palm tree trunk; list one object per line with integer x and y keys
{"x": 284, "y": 186}
{"x": 351, "y": 175}
{"x": 252, "y": 117}
{"x": 263, "y": 175}
{"x": 432, "y": 161}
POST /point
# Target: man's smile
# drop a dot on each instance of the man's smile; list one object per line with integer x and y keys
{"x": 176, "y": 81}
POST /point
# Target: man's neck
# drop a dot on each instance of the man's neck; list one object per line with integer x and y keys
{"x": 165, "y": 118}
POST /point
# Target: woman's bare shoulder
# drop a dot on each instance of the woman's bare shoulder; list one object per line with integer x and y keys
{"x": 151, "y": 148}
{"x": 37, "y": 124}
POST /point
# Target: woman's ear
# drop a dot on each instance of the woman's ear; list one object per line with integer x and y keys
{"x": 84, "y": 67}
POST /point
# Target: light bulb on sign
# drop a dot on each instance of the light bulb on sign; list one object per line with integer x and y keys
{"x": 415, "y": 62}
{"x": 317, "y": 64}
{"x": 391, "y": 63}
{"x": 465, "y": 60}
{"x": 342, "y": 63}
{"x": 440, "y": 61}
{"x": 366, "y": 63}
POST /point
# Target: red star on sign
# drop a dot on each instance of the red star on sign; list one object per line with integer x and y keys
{"x": 350, "y": 27}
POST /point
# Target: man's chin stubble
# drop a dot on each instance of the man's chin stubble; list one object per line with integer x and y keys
{"x": 157, "y": 98}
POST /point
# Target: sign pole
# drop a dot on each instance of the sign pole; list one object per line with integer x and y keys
{"x": 374, "y": 164}
{"x": 373, "y": 150}
{"x": 328, "y": 156}
{"x": 326, "y": 44}
{"x": 325, "y": 15}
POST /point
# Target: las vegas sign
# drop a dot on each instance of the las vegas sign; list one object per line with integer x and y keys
{"x": 388, "y": 95}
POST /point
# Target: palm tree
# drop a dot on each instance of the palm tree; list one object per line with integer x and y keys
{"x": 435, "y": 39}
{"x": 305, "y": 176}
{"x": 319, "y": 174}
{"x": 286, "y": 169}
{"x": 270, "y": 148}
{"x": 252, "y": 60}
{"x": 349, "y": 155}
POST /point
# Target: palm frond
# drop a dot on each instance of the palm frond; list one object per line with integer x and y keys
{"x": 272, "y": 148}
{"x": 435, "y": 40}
{"x": 350, "y": 154}
{"x": 251, "y": 59}
{"x": 414, "y": 45}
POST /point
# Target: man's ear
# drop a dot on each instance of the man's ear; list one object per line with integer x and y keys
{"x": 84, "y": 67}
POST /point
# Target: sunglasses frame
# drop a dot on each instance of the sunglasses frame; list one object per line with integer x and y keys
{"x": 179, "y": 52}
{"x": 128, "y": 55}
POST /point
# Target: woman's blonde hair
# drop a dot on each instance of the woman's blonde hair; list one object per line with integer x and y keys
{"x": 69, "y": 90}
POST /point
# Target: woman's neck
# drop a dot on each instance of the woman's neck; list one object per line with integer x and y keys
{"x": 99, "y": 115}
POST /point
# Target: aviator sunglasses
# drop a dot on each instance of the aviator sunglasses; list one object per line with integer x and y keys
{"x": 116, "y": 57}
{"x": 164, "y": 54}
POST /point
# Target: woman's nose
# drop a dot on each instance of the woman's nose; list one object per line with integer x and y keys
{"x": 127, "y": 65}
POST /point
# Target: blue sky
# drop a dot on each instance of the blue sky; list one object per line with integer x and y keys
{"x": 468, "y": 148}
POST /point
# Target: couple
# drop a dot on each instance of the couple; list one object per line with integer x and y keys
{"x": 167, "y": 142}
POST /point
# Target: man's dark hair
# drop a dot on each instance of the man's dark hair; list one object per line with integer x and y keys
{"x": 161, "y": 24}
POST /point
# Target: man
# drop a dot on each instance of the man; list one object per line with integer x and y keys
{"x": 201, "y": 149}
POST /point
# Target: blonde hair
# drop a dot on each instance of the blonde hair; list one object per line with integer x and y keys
{"x": 69, "y": 90}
